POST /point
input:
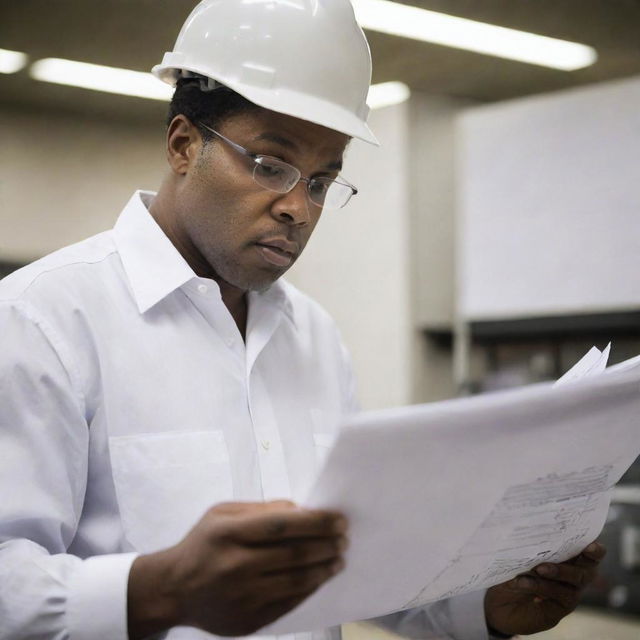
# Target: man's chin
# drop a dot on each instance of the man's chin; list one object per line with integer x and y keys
{"x": 262, "y": 286}
{"x": 248, "y": 277}
{"x": 259, "y": 285}
{"x": 266, "y": 279}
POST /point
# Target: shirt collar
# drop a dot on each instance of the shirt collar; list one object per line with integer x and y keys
{"x": 277, "y": 295}
{"x": 155, "y": 268}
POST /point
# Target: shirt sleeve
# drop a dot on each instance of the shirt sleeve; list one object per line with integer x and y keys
{"x": 44, "y": 437}
{"x": 458, "y": 618}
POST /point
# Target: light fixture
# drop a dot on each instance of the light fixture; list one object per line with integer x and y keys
{"x": 386, "y": 94}
{"x": 100, "y": 78}
{"x": 12, "y": 61}
{"x": 461, "y": 33}
{"x": 145, "y": 85}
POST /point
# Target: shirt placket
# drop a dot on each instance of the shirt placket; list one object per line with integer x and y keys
{"x": 273, "y": 468}
{"x": 271, "y": 457}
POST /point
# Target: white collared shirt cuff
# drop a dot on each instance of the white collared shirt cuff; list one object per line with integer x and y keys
{"x": 97, "y": 605}
{"x": 467, "y": 616}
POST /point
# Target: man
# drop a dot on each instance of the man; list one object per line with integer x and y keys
{"x": 163, "y": 392}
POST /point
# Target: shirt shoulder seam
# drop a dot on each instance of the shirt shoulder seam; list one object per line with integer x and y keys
{"x": 63, "y": 266}
{"x": 58, "y": 346}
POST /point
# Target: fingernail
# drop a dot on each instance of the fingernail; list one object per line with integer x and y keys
{"x": 592, "y": 547}
{"x": 526, "y": 583}
{"x": 343, "y": 544}
{"x": 546, "y": 570}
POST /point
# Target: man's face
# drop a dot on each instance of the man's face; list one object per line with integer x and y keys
{"x": 236, "y": 231}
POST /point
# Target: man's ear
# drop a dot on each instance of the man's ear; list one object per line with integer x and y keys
{"x": 183, "y": 144}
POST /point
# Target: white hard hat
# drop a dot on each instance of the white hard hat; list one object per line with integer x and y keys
{"x": 304, "y": 58}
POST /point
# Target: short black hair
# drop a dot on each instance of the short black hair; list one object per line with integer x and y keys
{"x": 210, "y": 107}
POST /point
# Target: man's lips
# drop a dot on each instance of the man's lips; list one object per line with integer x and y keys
{"x": 278, "y": 251}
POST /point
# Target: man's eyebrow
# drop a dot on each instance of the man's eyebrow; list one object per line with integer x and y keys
{"x": 335, "y": 165}
{"x": 277, "y": 139}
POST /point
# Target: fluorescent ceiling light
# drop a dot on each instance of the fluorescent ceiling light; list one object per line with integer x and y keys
{"x": 100, "y": 78}
{"x": 145, "y": 85}
{"x": 439, "y": 28}
{"x": 12, "y": 61}
{"x": 387, "y": 93}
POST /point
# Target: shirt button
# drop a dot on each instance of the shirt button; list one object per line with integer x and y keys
{"x": 266, "y": 444}
{"x": 202, "y": 288}
{"x": 230, "y": 342}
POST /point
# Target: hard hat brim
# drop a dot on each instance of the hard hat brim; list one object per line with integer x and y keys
{"x": 288, "y": 102}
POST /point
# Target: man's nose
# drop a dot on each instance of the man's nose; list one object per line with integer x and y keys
{"x": 293, "y": 208}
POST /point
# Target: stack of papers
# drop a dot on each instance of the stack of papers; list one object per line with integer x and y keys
{"x": 456, "y": 496}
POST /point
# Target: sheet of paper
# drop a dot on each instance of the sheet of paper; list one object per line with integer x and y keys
{"x": 459, "y": 495}
{"x": 627, "y": 365}
{"x": 591, "y": 364}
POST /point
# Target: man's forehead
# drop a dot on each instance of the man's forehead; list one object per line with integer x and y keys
{"x": 288, "y": 132}
{"x": 334, "y": 162}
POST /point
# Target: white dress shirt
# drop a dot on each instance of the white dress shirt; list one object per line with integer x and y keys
{"x": 130, "y": 403}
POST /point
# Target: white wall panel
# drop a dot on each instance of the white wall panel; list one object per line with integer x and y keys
{"x": 549, "y": 204}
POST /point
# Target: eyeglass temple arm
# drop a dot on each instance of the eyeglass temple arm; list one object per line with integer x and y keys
{"x": 237, "y": 147}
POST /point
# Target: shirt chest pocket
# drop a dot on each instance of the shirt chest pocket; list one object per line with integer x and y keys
{"x": 325, "y": 432}
{"x": 166, "y": 481}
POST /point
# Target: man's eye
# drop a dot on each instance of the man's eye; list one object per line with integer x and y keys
{"x": 269, "y": 169}
{"x": 318, "y": 187}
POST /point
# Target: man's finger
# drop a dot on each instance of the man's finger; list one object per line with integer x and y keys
{"x": 299, "y": 581}
{"x": 595, "y": 551}
{"x": 571, "y": 574}
{"x": 278, "y": 525}
{"x": 563, "y": 594}
{"x": 578, "y": 571}
{"x": 296, "y": 553}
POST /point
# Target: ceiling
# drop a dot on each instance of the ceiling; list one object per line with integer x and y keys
{"x": 135, "y": 33}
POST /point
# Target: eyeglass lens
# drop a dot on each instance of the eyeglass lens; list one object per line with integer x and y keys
{"x": 281, "y": 177}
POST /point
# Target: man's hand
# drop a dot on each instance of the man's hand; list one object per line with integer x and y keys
{"x": 538, "y": 600}
{"x": 241, "y": 567}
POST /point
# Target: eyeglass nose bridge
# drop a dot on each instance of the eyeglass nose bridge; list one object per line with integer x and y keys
{"x": 308, "y": 182}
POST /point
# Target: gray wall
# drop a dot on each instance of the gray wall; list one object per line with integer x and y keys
{"x": 64, "y": 178}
